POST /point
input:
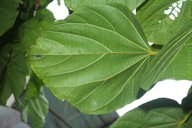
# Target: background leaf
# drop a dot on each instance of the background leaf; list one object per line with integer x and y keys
{"x": 74, "y": 4}
{"x": 63, "y": 115}
{"x": 14, "y": 74}
{"x": 94, "y": 51}
{"x": 9, "y": 12}
{"x": 156, "y": 24}
{"x": 31, "y": 29}
{"x": 162, "y": 114}
{"x": 35, "y": 104}
{"x": 172, "y": 62}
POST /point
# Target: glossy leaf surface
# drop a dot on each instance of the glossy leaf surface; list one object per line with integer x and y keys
{"x": 93, "y": 51}
{"x": 74, "y": 4}
{"x": 9, "y": 12}
{"x": 162, "y": 20}
{"x": 156, "y": 118}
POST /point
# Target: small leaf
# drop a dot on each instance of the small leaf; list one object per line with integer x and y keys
{"x": 155, "y": 18}
{"x": 74, "y": 4}
{"x": 94, "y": 51}
{"x": 9, "y": 12}
{"x": 156, "y": 118}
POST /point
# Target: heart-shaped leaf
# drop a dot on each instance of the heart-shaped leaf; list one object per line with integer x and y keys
{"x": 93, "y": 58}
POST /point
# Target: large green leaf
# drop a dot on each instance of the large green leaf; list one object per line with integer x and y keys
{"x": 74, "y": 4}
{"x": 173, "y": 61}
{"x": 9, "y": 12}
{"x": 157, "y": 24}
{"x": 14, "y": 73}
{"x": 156, "y": 118}
{"x": 93, "y": 58}
{"x": 63, "y": 115}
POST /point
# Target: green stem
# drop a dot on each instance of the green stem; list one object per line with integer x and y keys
{"x": 184, "y": 119}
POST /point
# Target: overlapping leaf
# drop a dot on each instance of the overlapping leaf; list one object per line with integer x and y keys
{"x": 74, "y": 4}
{"x": 14, "y": 72}
{"x": 35, "y": 104}
{"x": 172, "y": 62}
{"x": 164, "y": 19}
{"x": 9, "y": 12}
{"x": 156, "y": 118}
{"x": 31, "y": 29}
{"x": 94, "y": 58}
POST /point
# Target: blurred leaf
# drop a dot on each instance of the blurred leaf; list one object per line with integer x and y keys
{"x": 187, "y": 103}
{"x": 44, "y": 3}
{"x": 8, "y": 15}
{"x": 75, "y": 4}
{"x": 159, "y": 103}
{"x": 63, "y": 115}
{"x": 5, "y": 52}
{"x": 30, "y": 30}
{"x": 35, "y": 105}
{"x": 190, "y": 90}
{"x": 93, "y": 51}
{"x": 10, "y": 118}
{"x": 157, "y": 24}
{"x": 14, "y": 73}
{"x": 156, "y": 118}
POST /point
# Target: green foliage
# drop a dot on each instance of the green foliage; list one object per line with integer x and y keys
{"x": 14, "y": 74}
{"x": 159, "y": 117}
{"x": 168, "y": 63}
{"x": 9, "y": 12}
{"x": 75, "y": 4}
{"x": 80, "y": 51}
{"x": 98, "y": 59}
{"x": 35, "y": 104}
{"x": 31, "y": 29}
{"x": 156, "y": 24}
